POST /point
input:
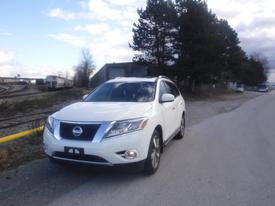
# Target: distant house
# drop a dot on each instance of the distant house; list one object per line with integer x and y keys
{"x": 111, "y": 71}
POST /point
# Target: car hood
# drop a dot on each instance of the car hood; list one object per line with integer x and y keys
{"x": 103, "y": 111}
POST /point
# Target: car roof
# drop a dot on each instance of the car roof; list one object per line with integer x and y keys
{"x": 133, "y": 79}
{"x": 138, "y": 79}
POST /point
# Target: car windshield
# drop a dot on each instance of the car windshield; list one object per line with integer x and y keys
{"x": 123, "y": 92}
{"x": 262, "y": 86}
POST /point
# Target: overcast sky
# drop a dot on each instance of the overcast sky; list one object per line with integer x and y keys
{"x": 45, "y": 37}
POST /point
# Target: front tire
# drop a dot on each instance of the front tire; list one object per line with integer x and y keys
{"x": 153, "y": 157}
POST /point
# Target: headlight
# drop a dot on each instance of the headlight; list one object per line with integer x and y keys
{"x": 126, "y": 126}
{"x": 50, "y": 124}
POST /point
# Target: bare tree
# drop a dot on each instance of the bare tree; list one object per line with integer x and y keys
{"x": 84, "y": 69}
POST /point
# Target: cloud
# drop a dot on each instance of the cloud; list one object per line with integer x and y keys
{"x": 112, "y": 46}
{"x": 43, "y": 70}
{"x": 272, "y": 76}
{"x": 68, "y": 38}
{"x": 259, "y": 26}
{"x": 57, "y": 12}
{"x": 253, "y": 20}
{"x": 10, "y": 67}
{"x": 67, "y": 15}
{"x": 6, "y": 57}
{"x": 100, "y": 10}
{"x": 260, "y": 45}
{"x": 8, "y": 64}
{"x": 110, "y": 29}
{"x": 111, "y": 23}
{"x": 123, "y": 2}
{"x": 37, "y": 72}
{"x": 103, "y": 10}
{"x": 93, "y": 28}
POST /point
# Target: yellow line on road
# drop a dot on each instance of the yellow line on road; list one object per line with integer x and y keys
{"x": 21, "y": 134}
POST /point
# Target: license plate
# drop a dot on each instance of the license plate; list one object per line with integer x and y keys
{"x": 74, "y": 150}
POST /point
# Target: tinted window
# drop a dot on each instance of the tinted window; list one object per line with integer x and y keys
{"x": 123, "y": 92}
{"x": 173, "y": 89}
{"x": 162, "y": 89}
{"x": 262, "y": 86}
{"x": 168, "y": 87}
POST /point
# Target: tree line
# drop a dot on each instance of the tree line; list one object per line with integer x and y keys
{"x": 184, "y": 37}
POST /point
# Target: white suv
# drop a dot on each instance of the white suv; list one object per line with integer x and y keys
{"x": 123, "y": 121}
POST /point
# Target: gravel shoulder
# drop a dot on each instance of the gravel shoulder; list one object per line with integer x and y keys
{"x": 199, "y": 110}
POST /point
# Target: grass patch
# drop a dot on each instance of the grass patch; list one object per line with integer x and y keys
{"x": 16, "y": 153}
{"x": 198, "y": 95}
{"x": 49, "y": 99}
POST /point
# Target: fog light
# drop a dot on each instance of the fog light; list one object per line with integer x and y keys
{"x": 130, "y": 154}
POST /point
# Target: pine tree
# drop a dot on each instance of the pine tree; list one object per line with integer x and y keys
{"x": 199, "y": 43}
{"x": 234, "y": 56}
{"x": 154, "y": 33}
{"x": 202, "y": 47}
{"x": 254, "y": 72}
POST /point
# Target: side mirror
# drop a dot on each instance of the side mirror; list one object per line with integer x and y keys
{"x": 84, "y": 97}
{"x": 167, "y": 98}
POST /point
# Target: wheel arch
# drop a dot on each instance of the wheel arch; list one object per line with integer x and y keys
{"x": 159, "y": 129}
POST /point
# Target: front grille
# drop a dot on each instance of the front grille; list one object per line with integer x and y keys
{"x": 88, "y": 158}
{"x": 88, "y": 131}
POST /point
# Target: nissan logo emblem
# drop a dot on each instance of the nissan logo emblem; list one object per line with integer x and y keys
{"x": 77, "y": 131}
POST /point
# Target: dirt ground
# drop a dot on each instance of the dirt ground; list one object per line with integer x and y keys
{"x": 18, "y": 152}
{"x": 201, "y": 109}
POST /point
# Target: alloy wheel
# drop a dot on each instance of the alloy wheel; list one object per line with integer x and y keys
{"x": 155, "y": 154}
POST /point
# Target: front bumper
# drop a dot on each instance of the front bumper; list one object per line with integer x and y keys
{"x": 107, "y": 152}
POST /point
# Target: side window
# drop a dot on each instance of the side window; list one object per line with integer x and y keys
{"x": 172, "y": 89}
{"x": 162, "y": 89}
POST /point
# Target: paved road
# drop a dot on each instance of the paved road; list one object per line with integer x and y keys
{"x": 228, "y": 159}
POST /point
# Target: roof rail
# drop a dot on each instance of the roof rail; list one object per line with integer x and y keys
{"x": 161, "y": 76}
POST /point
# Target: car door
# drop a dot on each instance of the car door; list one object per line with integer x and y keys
{"x": 168, "y": 111}
{"x": 178, "y": 104}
